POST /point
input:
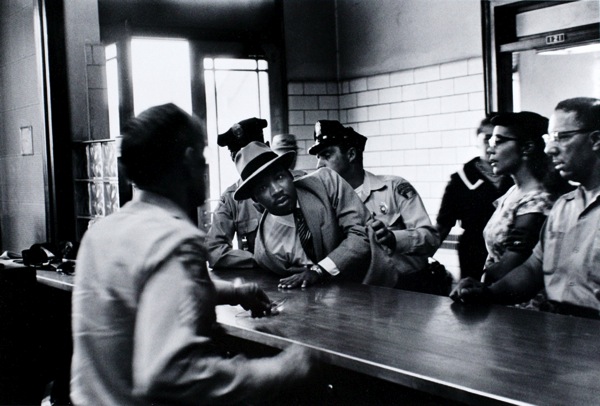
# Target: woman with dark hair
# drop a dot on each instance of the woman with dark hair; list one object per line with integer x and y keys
{"x": 517, "y": 149}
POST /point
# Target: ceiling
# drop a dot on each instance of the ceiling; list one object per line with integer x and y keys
{"x": 221, "y": 18}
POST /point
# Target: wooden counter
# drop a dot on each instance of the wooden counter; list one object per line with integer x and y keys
{"x": 477, "y": 355}
{"x": 491, "y": 354}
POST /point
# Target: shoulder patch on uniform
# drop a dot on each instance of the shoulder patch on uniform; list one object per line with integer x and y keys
{"x": 406, "y": 190}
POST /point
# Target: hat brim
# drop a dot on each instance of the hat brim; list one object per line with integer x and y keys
{"x": 244, "y": 191}
{"x": 319, "y": 146}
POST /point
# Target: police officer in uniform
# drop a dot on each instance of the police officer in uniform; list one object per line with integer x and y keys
{"x": 401, "y": 222}
{"x": 239, "y": 218}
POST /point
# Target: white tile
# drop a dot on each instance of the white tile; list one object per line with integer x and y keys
{"x": 414, "y": 92}
{"x": 368, "y": 128}
{"x": 427, "y": 107}
{"x": 439, "y": 88}
{"x": 381, "y": 112}
{"x": 454, "y": 69}
{"x": 303, "y": 102}
{"x": 345, "y": 87}
{"x": 367, "y": 98}
{"x": 404, "y": 77}
{"x": 402, "y": 109}
{"x": 416, "y": 124}
{"x": 442, "y": 122}
{"x": 333, "y": 88}
{"x": 380, "y": 143}
{"x": 429, "y": 140}
{"x": 404, "y": 142}
{"x": 358, "y": 114}
{"x": 477, "y": 101}
{"x": 468, "y": 119}
{"x": 394, "y": 126}
{"x": 475, "y": 66}
{"x": 441, "y": 156}
{"x": 391, "y": 158}
{"x": 329, "y": 102}
{"x": 456, "y": 103}
{"x": 315, "y": 88}
{"x": 302, "y": 132}
{"x": 427, "y": 74}
{"x": 296, "y": 117}
{"x": 408, "y": 172}
{"x": 469, "y": 84}
{"x": 378, "y": 82}
{"x": 295, "y": 88}
{"x": 431, "y": 173}
{"x": 390, "y": 95}
{"x": 348, "y": 101}
{"x": 457, "y": 138}
{"x": 312, "y": 116}
{"x": 417, "y": 157}
{"x": 371, "y": 159}
{"x": 333, "y": 115}
{"x": 358, "y": 85}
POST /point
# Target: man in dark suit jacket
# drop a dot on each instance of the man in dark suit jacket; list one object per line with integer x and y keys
{"x": 338, "y": 246}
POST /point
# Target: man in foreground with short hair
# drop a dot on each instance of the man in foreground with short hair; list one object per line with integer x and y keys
{"x": 143, "y": 301}
{"x": 565, "y": 261}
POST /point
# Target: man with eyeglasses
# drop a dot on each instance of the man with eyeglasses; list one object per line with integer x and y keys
{"x": 565, "y": 261}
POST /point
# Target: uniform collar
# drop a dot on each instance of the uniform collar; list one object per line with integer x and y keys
{"x": 372, "y": 182}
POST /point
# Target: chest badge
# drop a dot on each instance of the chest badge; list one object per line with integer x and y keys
{"x": 383, "y": 208}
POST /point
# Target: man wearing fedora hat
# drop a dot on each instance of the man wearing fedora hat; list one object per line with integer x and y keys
{"x": 313, "y": 228}
{"x": 235, "y": 219}
{"x": 400, "y": 220}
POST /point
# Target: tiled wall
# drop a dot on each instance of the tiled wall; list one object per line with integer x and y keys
{"x": 420, "y": 123}
{"x": 22, "y": 187}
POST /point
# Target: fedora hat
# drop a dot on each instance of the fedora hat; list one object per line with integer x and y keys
{"x": 254, "y": 159}
{"x": 284, "y": 142}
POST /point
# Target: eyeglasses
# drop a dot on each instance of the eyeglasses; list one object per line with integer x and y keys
{"x": 498, "y": 140}
{"x": 562, "y": 136}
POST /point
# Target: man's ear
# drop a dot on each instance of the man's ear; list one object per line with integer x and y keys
{"x": 595, "y": 140}
{"x": 351, "y": 154}
{"x": 192, "y": 158}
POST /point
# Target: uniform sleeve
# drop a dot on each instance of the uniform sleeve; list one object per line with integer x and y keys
{"x": 173, "y": 362}
{"x": 352, "y": 218}
{"x": 220, "y": 236}
{"x": 419, "y": 237}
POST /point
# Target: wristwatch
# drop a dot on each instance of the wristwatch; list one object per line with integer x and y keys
{"x": 319, "y": 270}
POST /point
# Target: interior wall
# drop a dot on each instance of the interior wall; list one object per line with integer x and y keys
{"x": 22, "y": 197}
{"x": 310, "y": 39}
{"x": 380, "y": 36}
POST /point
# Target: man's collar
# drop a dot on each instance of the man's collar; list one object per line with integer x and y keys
{"x": 372, "y": 182}
{"x": 155, "y": 199}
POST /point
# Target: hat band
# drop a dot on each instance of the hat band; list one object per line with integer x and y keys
{"x": 256, "y": 163}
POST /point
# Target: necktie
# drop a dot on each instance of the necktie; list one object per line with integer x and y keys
{"x": 304, "y": 234}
